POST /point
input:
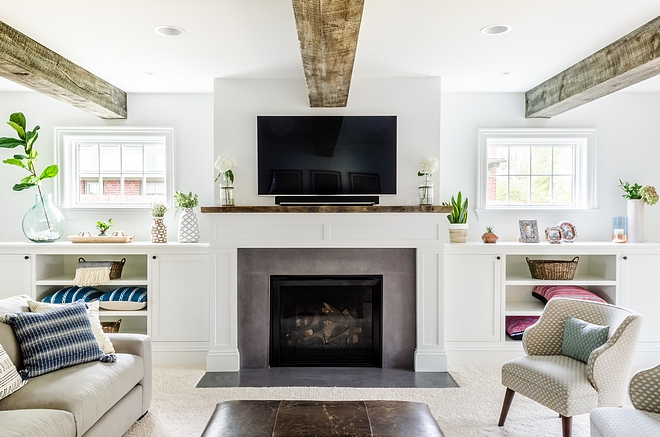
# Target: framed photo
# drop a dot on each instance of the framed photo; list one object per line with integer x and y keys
{"x": 568, "y": 232}
{"x": 529, "y": 231}
{"x": 553, "y": 234}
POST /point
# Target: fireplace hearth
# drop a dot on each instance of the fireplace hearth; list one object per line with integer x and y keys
{"x": 326, "y": 320}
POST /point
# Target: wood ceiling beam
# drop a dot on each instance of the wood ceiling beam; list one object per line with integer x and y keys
{"x": 625, "y": 62}
{"x": 25, "y": 61}
{"x": 328, "y": 34}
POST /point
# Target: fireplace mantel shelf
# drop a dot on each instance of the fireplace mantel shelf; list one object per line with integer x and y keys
{"x": 326, "y": 208}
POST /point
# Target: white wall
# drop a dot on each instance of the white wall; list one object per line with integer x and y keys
{"x": 628, "y": 148}
{"x": 191, "y": 116}
{"x": 415, "y": 101}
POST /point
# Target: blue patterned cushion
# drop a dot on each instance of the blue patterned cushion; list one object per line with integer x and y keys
{"x": 55, "y": 339}
{"x": 581, "y": 338}
{"x": 73, "y": 294}
{"x": 124, "y": 299}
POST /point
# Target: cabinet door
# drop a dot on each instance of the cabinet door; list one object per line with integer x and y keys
{"x": 640, "y": 287}
{"x": 179, "y": 298}
{"x": 473, "y": 285}
{"x": 15, "y": 274}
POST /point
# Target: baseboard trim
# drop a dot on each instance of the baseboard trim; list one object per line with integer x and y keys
{"x": 430, "y": 361}
{"x": 217, "y": 361}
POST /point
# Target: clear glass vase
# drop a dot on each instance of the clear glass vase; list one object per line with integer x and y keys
{"x": 426, "y": 191}
{"x": 226, "y": 191}
{"x": 43, "y": 223}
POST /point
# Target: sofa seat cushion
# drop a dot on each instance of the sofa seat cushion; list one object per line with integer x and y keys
{"x": 86, "y": 390}
{"x": 37, "y": 423}
{"x": 624, "y": 422}
{"x": 556, "y": 381}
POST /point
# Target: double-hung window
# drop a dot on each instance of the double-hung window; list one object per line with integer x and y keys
{"x": 541, "y": 169}
{"x": 113, "y": 168}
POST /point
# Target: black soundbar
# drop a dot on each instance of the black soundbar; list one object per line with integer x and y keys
{"x": 326, "y": 200}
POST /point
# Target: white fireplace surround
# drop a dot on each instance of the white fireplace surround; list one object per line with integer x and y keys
{"x": 422, "y": 231}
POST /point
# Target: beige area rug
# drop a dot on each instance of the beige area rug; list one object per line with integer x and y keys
{"x": 178, "y": 409}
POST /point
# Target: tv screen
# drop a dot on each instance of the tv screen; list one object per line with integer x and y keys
{"x": 326, "y": 155}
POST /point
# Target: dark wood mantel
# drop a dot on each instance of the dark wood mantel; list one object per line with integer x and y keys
{"x": 325, "y": 208}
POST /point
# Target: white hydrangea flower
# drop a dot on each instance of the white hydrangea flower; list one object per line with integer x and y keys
{"x": 225, "y": 163}
{"x": 428, "y": 165}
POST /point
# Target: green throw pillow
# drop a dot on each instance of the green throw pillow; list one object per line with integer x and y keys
{"x": 581, "y": 338}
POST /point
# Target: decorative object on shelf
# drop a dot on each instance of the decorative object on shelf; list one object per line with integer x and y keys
{"x": 188, "y": 225}
{"x": 546, "y": 292}
{"x": 427, "y": 167}
{"x": 637, "y": 196}
{"x": 104, "y": 226}
{"x": 549, "y": 269}
{"x": 619, "y": 229}
{"x": 516, "y": 325}
{"x": 489, "y": 236}
{"x": 458, "y": 225}
{"x": 225, "y": 165}
{"x": 73, "y": 294}
{"x": 92, "y": 273}
{"x": 568, "y": 232}
{"x": 43, "y": 223}
{"x": 529, "y": 231}
{"x": 553, "y": 235}
{"x": 86, "y": 237}
{"x": 111, "y": 327}
{"x": 158, "y": 228}
{"x": 124, "y": 299}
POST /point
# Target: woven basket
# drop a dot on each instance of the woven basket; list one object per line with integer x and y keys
{"x": 552, "y": 269}
{"x": 111, "y": 327}
{"x": 115, "y": 269}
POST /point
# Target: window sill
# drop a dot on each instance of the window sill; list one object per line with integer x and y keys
{"x": 99, "y": 213}
{"x": 535, "y": 213}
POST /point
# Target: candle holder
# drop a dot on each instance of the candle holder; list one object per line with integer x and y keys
{"x": 619, "y": 229}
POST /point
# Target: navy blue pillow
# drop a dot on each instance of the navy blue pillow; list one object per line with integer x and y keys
{"x": 74, "y": 294}
{"x": 124, "y": 299}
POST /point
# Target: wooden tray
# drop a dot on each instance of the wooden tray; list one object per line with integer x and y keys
{"x": 97, "y": 239}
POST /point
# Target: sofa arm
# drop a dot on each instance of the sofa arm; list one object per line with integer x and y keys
{"x": 140, "y": 345}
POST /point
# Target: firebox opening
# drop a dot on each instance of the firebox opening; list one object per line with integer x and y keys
{"x": 326, "y": 320}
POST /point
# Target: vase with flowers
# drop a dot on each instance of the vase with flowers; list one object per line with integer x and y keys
{"x": 637, "y": 196}
{"x": 225, "y": 166}
{"x": 158, "y": 228}
{"x": 43, "y": 223}
{"x": 427, "y": 166}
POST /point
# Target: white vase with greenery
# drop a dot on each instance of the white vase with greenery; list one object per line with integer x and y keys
{"x": 637, "y": 196}
{"x": 188, "y": 224}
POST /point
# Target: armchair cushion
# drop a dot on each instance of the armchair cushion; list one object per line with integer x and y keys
{"x": 623, "y": 422}
{"x": 581, "y": 338}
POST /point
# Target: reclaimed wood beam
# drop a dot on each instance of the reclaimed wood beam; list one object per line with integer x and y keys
{"x": 25, "y": 61}
{"x": 625, "y": 62}
{"x": 328, "y": 34}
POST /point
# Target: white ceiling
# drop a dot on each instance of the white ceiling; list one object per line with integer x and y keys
{"x": 257, "y": 39}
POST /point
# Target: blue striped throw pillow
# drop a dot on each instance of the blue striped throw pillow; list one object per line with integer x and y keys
{"x": 124, "y": 299}
{"x": 54, "y": 339}
{"x": 73, "y": 294}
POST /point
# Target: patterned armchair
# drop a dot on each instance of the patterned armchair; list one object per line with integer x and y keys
{"x": 566, "y": 385}
{"x": 643, "y": 420}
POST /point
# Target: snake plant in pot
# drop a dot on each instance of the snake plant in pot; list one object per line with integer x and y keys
{"x": 458, "y": 225}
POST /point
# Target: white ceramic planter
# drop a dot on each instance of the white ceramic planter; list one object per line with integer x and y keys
{"x": 635, "y": 213}
{"x": 458, "y": 232}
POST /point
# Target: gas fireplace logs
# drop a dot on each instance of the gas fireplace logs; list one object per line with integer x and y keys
{"x": 328, "y": 327}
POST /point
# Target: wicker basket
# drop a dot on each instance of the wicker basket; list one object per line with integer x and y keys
{"x": 115, "y": 268}
{"x": 552, "y": 269}
{"x": 111, "y": 327}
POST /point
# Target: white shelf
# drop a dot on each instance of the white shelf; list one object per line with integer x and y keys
{"x": 66, "y": 280}
{"x": 524, "y": 308}
{"x": 111, "y": 313}
{"x": 579, "y": 280}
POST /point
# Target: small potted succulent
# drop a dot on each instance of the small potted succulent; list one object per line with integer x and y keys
{"x": 489, "y": 236}
{"x": 103, "y": 226}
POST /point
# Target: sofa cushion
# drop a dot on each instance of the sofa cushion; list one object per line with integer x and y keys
{"x": 86, "y": 390}
{"x": 54, "y": 339}
{"x": 10, "y": 380}
{"x": 125, "y": 299}
{"x": 37, "y": 423}
{"x": 73, "y": 294}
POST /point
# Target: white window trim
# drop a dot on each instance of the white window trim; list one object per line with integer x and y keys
{"x": 65, "y": 137}
{"x": 586, "y": 194}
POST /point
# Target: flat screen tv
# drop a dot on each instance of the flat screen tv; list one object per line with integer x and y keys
{"x": 326, "y": 155}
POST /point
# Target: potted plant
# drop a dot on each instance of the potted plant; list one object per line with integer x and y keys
{"x": 158, "y": 228}
{"x": 637, "y": 196}
{"x": 458, "y": 219}
{"x": 188, "y": 226}
{"x": 489, "y": 236}
{"x": 104, "y": 226}
{"x": 43, "y": 222}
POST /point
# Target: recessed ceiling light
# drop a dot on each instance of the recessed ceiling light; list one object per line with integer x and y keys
{"x": 506, "y": 73}
{"x": 169, "y": 30}
{"x": 495, "y": 29}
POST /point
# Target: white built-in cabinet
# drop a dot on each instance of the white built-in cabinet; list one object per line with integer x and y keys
{"x": 640, "y": 291}
{"x": 15, "y": 274}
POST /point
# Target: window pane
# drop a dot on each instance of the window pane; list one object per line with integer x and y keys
{"x": 110, "y": 158}
{"x": 519, "y": 160}
{"x": 111, "y": 190}
{"x": 498, "y": 160}
{"x": 541, "y": 160}
{"x": 88, "y": 158}
{"x": 155, "y": 189}
{"x": 89, "y": 190}
{"x": 132, "y": 159}
{"x": 563, "y": 190}
{"x": 541, "y": 192}
{"x": 563, "y": 160}
{"x": 154, "y": 157}
{"x": 132, "y": 190}
{"x": 519, "y": 190}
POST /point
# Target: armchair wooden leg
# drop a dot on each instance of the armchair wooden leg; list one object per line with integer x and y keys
{"x": 566, "y": 426}
{"x": 508, "y": 397}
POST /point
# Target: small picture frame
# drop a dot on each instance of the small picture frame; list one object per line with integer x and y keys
{"x": 568, "y": 232}
{"x": 553, "y": 234}
{"x": 529, "y": 231}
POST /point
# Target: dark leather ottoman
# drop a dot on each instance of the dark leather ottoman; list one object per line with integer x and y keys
{"x": 322, "y": 419}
